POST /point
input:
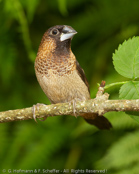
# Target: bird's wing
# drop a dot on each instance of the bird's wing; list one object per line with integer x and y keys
{"x": 82, "y": 74}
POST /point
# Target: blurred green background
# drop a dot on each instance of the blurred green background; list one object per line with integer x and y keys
{"x": 65, "y": 142}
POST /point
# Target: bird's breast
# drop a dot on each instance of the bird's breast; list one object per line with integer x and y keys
{"x": 49, "y": 64}
{"x": 60, "y": 89}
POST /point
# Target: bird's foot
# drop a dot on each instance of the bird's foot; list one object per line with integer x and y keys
{"x": 73, "y": 103}
{"x": 34, "y": 112}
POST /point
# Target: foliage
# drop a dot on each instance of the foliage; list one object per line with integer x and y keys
{"x": 126, "y": 59}
{"x": 66, "y": 142}
{"x": 126, "y": 63}
{"x": 127, "y": 156}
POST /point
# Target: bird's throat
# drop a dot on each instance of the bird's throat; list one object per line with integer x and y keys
{"x": 63, "y": 48}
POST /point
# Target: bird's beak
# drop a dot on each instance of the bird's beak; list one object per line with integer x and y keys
{"x": 67, "y": 33}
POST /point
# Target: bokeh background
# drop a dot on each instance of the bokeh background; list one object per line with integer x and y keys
{"x": 65, "y": 142}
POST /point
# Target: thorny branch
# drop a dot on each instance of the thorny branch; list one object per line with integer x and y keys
{"x": 101, "y": 104}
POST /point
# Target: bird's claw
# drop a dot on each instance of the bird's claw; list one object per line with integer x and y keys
{"x": 34, "y": 112}
{"x": 73, "y": 103}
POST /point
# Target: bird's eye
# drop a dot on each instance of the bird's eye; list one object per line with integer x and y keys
{"x": 55, "y": 32}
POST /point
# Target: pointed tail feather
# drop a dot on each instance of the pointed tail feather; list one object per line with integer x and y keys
{"x": 99, "y": 121}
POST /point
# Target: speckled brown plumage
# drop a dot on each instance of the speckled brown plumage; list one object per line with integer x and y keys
{"x": 58, "y": 72}
{"x": 54, "y": 59}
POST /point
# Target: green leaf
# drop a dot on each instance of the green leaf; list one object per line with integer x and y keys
{"x": 129, "y": 91}
{"x": 126, "y": 58}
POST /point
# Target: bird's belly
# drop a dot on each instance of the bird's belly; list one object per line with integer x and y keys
{"x": 60, "y": 89}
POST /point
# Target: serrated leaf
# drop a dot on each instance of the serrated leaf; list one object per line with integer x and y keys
{"x": 126, "y": 58}
{"x": 129, "y": 91}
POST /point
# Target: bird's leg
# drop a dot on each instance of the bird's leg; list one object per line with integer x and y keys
{"x": 73, "y": 103}
{"x": 34, "y": 110}
{"x": 74, "y": 106}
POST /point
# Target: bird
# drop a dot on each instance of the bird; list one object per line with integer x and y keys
{"x": 59, "y": 74}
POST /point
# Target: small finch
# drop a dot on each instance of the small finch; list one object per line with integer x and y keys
{"x": 60, "y": 75}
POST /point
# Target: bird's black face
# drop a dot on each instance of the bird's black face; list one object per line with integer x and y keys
{"x": 61, "y": 32}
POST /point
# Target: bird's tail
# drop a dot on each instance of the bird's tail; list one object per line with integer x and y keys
{"x": 99, "y": 121}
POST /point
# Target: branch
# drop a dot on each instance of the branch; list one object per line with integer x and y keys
{"x": 100, "y": 105}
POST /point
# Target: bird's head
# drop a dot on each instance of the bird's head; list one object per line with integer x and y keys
{"x": 61, "y": 32}
{"x": 57, "y": 39}
{"x": 56, "y": 42}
